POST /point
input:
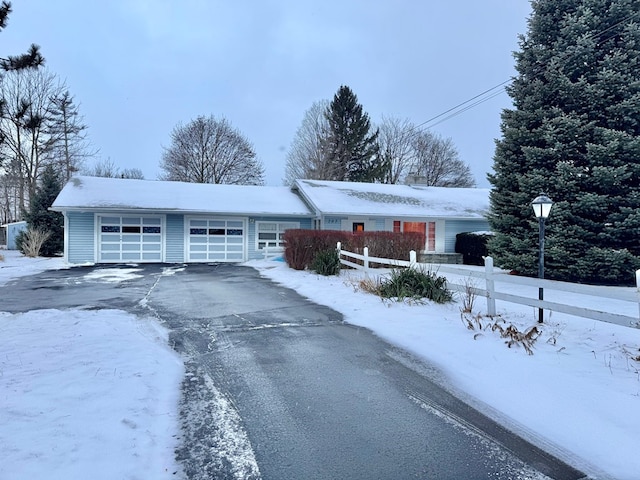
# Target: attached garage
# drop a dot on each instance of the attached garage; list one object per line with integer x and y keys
{"x": 216, "y": 239}
{"x": 130, "y": 238}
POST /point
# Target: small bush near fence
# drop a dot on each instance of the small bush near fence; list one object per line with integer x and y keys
{"x": 415, "y": 284}
{"x": 302, "y": 246}
{"x": 326, "y": 262}
{"x": 473, "y": 247}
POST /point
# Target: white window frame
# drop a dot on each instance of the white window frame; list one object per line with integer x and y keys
{"x": 278, "y": 242}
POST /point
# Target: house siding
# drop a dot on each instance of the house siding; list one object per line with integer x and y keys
{"x": 81, "y": 237}
{"x": 454, "y": 227}
{"x": 174, "y": 239}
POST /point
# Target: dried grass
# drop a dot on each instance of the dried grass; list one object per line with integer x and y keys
{"x": 513, "y": 337}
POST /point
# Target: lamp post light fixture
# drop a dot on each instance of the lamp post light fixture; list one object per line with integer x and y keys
{"x": 541, "y": 208}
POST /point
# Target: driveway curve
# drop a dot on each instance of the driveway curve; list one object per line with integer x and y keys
{"x": 277, "y": 387}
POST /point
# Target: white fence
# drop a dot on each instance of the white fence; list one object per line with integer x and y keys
{"x": 462, "y": 279}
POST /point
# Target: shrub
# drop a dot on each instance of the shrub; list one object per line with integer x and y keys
{"x": 416, "y": 284}
{"x": 302, "y": 246}
{"x": 1, "y": 258}
{"x": 31, "y": 241}
{"x": 326, "y": 262}
{"x": 473, "y": 247}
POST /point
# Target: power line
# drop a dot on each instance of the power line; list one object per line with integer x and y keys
{"x": 481, "y": 98}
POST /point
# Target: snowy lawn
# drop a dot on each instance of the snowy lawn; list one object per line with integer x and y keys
{"x": 578, "y": 394}
{"x": 94, "y": 394}
{"x": 85, "y": 394}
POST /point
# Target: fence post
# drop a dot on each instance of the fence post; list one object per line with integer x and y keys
{"x": 339, "y": 247}
{"x": 413, "y": 258}
{"x": 365, "y": 252}
{"x": 491, "y": 299}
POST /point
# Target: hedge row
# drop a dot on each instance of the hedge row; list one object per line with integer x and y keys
{"x": 302, "y": 246}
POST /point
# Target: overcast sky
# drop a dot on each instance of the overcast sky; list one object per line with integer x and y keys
{"x": 140, "y": 67}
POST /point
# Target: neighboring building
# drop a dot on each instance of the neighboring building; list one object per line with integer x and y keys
{"x": 12, "y": 230}
{"x": 438, "y": 212}
{"x": 112, "y": 220}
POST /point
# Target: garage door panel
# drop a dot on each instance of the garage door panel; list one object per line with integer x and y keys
{"x": 137, "y": 239}
{"x": 215, "y": 240}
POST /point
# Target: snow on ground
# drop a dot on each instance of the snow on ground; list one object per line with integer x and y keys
{"x": 577, "y": 395}
{"x": 85, "y": 394}
{"x": 94, "y": 394}
{"x": 17, "y": 265}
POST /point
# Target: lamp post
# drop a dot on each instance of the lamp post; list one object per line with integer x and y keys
{"x": 541, "y": 208}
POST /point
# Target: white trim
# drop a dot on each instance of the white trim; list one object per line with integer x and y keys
{"x": 65, "y": 238}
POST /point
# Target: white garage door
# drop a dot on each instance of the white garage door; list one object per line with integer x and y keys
{"x": 215, "y": 240}
{"x": 130, "y": 239}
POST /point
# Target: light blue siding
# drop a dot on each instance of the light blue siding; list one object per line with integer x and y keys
{"x": 332, "y": 223}
{"x": 81, "y": 237}
{"x": 454, "y": 227}
{"x": 380, "y": 221}
{"x": 174, "y": 239}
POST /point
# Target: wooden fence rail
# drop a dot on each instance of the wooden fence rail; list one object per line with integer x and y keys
{"x": 490, "y": 276}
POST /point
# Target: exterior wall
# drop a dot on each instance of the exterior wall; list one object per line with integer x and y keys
{"x": 174, "y": 239}
{"x": 332, "y": 223}
{"x": 80, "y": 237}
{"x": 454, "y": 227}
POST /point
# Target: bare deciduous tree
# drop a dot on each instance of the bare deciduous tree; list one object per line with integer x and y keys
{"x": 26, "y": 140}
{"x": 210, "y": 150}
{"x": 437, "y": 162}
{"x": 104, "y": 167}
{"x": 306, "y": 157}
{"x": 396, "y": 140}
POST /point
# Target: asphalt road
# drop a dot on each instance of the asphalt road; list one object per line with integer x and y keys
{"x": 278, "y": 387}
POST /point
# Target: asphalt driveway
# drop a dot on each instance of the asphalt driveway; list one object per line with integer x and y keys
{"x": 277, "y": 387}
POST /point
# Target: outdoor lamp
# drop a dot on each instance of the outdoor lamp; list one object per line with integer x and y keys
{"x": 541, "y": 208}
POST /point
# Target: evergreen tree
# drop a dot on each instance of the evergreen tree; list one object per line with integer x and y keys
{"x": 352, "y": 152}
{"x": 39, "y": 215}
{"x": 574, "y": 133}
{"x": 31, "y": 59}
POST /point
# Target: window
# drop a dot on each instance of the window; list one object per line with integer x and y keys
{"x": 358, "y": 227}
{"x": 431, "y": 237}
{"x": 271, "y": 234}
{"x": 428, "y": 229}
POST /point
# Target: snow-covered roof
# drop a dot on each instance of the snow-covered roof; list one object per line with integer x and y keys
{"x": 96, "y": 193}
{"x": 374, "y": 199}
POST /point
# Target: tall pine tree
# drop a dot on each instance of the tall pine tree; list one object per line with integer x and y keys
{"x": 574, "y": 133}
{"x": 352, "y": 152}
{"x": 39, "y": 216}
